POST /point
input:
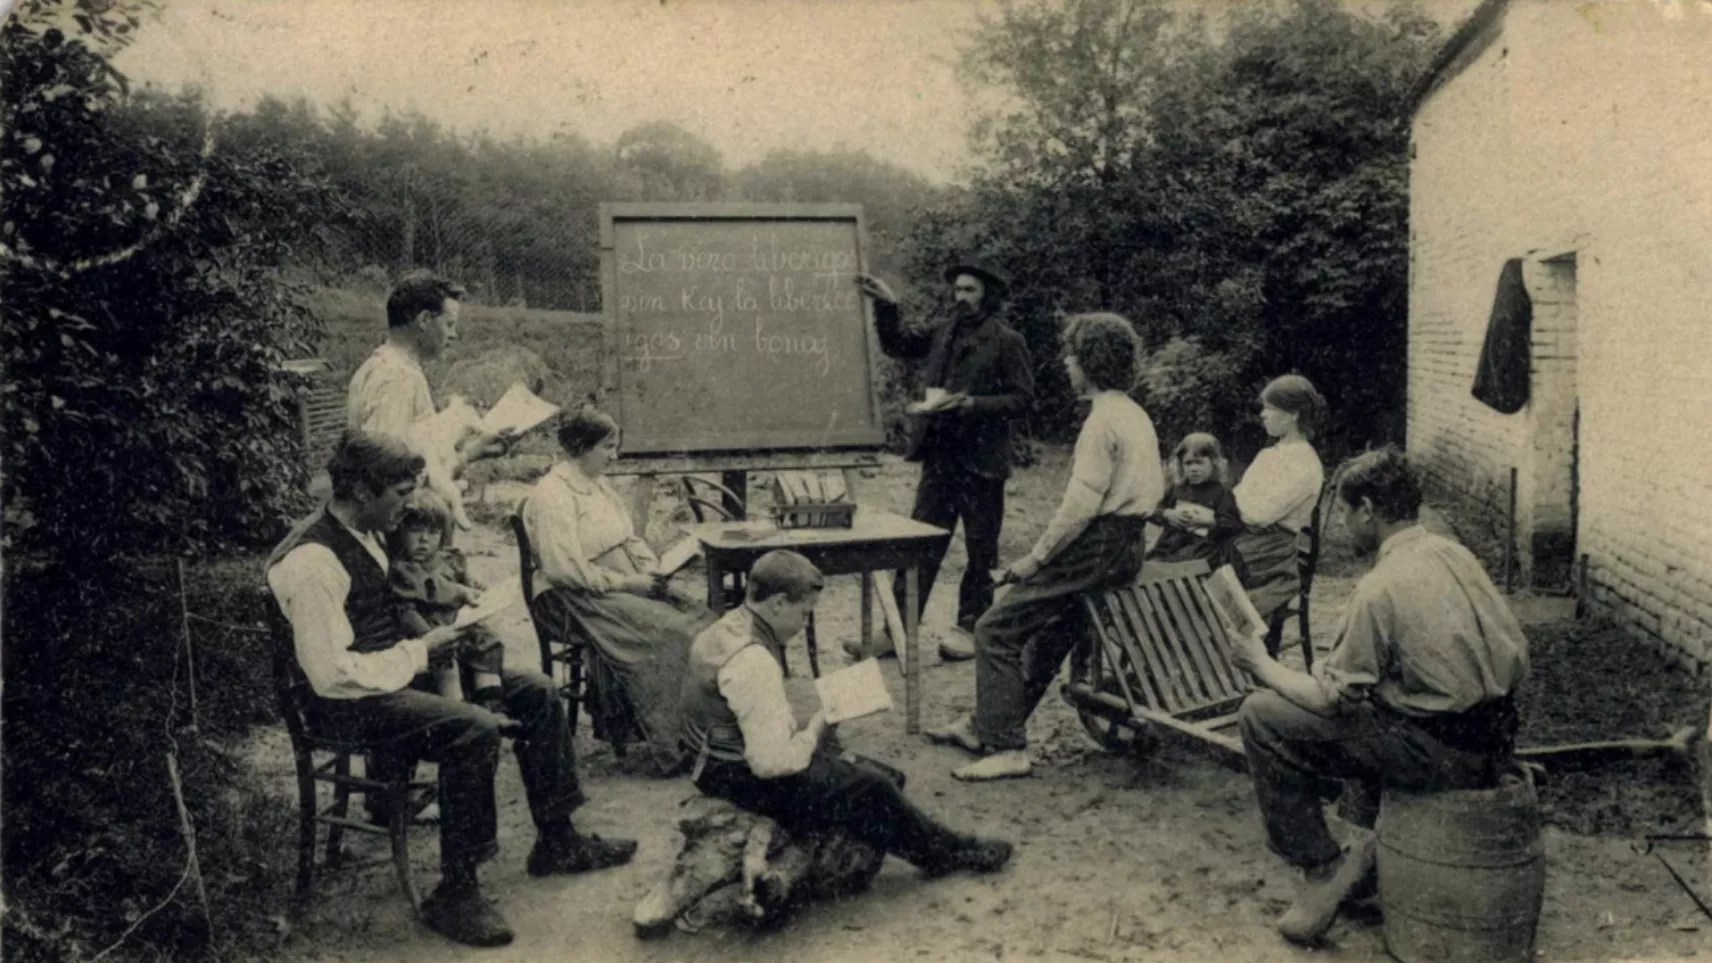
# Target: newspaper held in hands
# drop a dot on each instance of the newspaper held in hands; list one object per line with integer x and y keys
{"x": 492, "y": 602}
{"x": 853, "y": 692}
{"x": 518, "y": 410}
{"x": 1231, "y": 604}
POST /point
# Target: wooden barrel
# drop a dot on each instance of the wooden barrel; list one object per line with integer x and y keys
{"x": 1461, "y": 874}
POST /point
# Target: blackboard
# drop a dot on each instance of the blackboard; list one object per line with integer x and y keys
{"x": 737, "y": 327}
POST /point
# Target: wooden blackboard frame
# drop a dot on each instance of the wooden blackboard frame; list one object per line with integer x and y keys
{"x": 738, "y": 445}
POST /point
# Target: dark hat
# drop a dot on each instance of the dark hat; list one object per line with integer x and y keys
{"x": 989, "y": 275}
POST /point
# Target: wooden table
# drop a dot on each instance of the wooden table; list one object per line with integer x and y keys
{"x": 877, "y": 541}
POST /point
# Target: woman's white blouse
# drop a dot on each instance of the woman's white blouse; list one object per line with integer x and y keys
{"x": 581, "y": 533}
{"x": 1281, "y": 486}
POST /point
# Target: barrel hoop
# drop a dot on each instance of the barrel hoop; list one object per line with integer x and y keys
{"x": 1528, "y": 860}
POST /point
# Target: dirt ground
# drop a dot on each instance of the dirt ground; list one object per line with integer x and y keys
{"x": 1117, "y": 859}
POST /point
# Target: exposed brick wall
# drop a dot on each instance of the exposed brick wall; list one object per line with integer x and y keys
{"x": 1579, "y": 136}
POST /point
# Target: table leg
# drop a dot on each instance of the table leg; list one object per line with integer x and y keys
{"x": 813, "y": 648}
{"x": 715, "y": 585}
{"x": 867, "y": 610}
{"x": 911, "y": 655}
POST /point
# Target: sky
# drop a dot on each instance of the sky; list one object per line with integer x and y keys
{"x": 749, "y": 76}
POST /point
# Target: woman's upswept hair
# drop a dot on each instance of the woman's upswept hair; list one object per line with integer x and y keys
{"x": 1205, "y": 445}
{"x": 1297, "y": 395}
{"x": 1107, "y": 348}
{"x": 374, "y": 462}
{"x": 585, "y": 428}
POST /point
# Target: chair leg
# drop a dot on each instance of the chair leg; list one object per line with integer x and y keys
{"x": 399, "y": 830}
{"x": 305, "y": 823}
{"x": 813, "y": 648}
{"x": 341, "y": 809}
{"x": 1307, "y": 641}
{"x": 1275, "y": 632}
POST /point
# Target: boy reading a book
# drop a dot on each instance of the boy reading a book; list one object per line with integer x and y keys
{"x": 750, "y": 751}
{"x": 430, "y": 582}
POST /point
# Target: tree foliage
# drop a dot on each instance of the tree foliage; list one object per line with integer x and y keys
{"x": 1240, "y": 195}
{"x": 146, "y": 318}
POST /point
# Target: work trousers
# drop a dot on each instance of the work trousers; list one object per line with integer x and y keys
{"x": 1293, "y": 754}
{"x": 837, "y": 792}
{"x": 946, "y": 494}
{"x": 1021, "y": 641}
{"x": 409, "y": 725}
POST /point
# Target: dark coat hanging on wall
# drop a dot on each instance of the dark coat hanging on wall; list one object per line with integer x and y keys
{"x": 1506, "y": 359}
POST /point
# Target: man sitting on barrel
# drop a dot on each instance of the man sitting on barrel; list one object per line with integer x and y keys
{"x": 1416, "y": 693}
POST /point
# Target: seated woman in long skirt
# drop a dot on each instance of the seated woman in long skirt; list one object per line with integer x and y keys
{"x": 601, "y": 582}
{"x": 1277, "y": 494}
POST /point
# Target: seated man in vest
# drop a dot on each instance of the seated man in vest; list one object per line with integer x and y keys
{"x": 751, "y": 753}
{"x": 330, "y": 579}
{"x": 1417, "y": 692}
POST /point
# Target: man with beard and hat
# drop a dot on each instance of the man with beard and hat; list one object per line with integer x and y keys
{"x": 963, "y": 441}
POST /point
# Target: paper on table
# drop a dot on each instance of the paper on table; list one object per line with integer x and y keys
{"x": 492, "y": 602}
{"x": 1234, "y": 609}
{"x": 853, "y": 692}
{"x": 519, "y": 409}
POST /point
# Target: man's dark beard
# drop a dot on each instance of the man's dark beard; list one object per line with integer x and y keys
{"x": 963, "y": 311}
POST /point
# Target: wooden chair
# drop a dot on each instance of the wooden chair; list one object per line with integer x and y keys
{"x": 320, "y": 759}
{"x": 571, "y": 653}
{"x": 1157, "y": 661}
{"x": 1307, "y": 560}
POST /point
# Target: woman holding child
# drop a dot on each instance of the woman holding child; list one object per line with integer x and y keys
{"x": 1277, "y": 494}
{"x": 601, "y": 582}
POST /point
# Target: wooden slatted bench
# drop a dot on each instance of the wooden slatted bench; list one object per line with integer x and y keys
{"x": 1157, "y": 663}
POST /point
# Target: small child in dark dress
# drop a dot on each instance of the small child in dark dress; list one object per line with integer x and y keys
{"x": 1199, "y": 513}
{"x": 431, "y": 583}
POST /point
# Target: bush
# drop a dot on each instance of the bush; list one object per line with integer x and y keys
{"x": 95, "y": 696}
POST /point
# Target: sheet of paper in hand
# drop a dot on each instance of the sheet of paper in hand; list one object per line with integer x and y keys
{"x": 518, "y": 409}
{"x": 495, "y": 600}
{"x": 679, "y": 554}
{"x": 1232, "y": 604}
{"x": 853, "y": 692}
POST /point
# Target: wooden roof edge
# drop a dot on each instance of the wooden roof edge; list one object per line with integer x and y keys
{"x": 1439, "y": 71}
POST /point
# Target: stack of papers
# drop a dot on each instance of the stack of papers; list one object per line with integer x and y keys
{"x": 492, "y": 602}
{"x": 519, "y": 410}
{"x": 853, "y": 692}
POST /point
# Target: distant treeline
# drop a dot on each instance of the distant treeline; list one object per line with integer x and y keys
{"x": 517, "y": 220}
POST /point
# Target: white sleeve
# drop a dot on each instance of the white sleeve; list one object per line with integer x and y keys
{"x": 754, "y": 688}
{"x": 311, "y": 587}
{"x": 1275, "y": 484}
{"x": 387, "y": 405}
{"x": 550, "y": 518}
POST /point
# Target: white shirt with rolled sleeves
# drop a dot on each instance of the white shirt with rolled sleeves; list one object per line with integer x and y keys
{"x": 311, "y": 587}
{"x": 1115, "y": 471}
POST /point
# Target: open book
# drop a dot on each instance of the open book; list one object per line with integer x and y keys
{"x": 519, "y": 410}
{"x": 495, "y": 600}
{"x": 1231, "y": 603}
{"x": 853, "y": 692}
